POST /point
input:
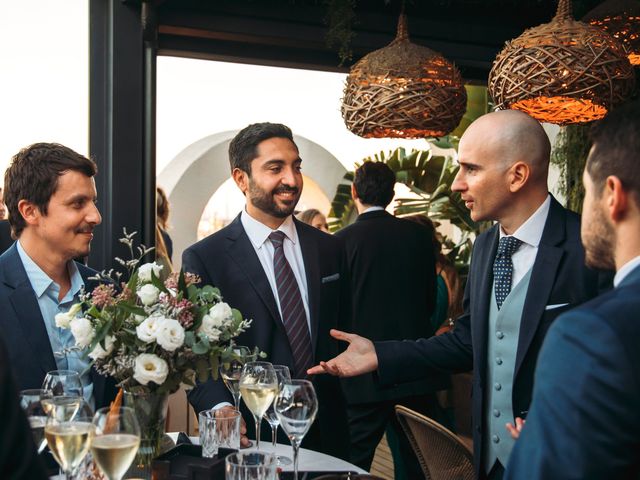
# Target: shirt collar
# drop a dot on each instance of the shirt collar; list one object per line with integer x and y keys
{"x": 258, "y": 232}
{"x": 530, "y": 232}
{"x": 40, "y": 281}
{"x": 375, "y": 208}
{"x": 625, "y": 270}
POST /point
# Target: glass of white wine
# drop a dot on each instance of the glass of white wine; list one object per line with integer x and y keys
{"x": 231, "y": 370}
{"x": 116, "y": 440}
{"x": 61, "y": 394}
{"x": 258, "y": 386}
{"x": 284, "y": 376}
{"x": 30, "y": 403}
{"x": 69, "y": 440}
{"x": 296, "y": 405}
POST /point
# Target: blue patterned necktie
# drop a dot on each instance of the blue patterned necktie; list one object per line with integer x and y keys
{"x": 503, "y": 268}
{"x": 294, "y": 317}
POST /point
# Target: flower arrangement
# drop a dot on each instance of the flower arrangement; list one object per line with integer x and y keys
{"x": 153, "y": 335}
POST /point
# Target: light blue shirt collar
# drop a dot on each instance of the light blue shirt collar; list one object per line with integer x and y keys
{"x": 625, "y": 270}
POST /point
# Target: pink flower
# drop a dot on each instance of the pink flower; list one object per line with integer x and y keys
{"x": 103, "y": 295}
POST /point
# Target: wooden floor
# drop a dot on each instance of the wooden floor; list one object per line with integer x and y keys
{"x": 382, "y": 465}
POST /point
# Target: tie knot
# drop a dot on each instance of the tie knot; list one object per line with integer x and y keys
{"x": 277, "y": 238}
{"x": 508, "y": 245}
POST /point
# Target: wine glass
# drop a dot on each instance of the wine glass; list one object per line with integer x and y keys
{"x": 69, "y": 440}
{"x": 296, "y": 406}
{"x": 61, "y": 394}
{"x": 258, "y": 386}
{"x": 116, "y": 440}
{"x": 284, "y": 376}
{"x": 30, "y": 403}
{"x": 231, "y": 370}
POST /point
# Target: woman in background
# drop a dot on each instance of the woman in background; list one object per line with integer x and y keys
{"x": 164, "y": 244}
{"x": 315, "y": 218}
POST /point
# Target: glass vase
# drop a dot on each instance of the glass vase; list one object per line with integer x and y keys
{"x": 151, "y": 412}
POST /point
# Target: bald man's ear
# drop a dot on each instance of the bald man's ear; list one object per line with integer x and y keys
{"x": 519, "y": 174}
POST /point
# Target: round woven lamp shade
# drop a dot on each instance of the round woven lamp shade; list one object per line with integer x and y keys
{"x": 621, "y": 19}
{"x": 403, "y": 90}
{"x": 563, "y": 72}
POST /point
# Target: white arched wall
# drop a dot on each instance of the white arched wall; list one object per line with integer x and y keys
{"x": 193, "y": 176}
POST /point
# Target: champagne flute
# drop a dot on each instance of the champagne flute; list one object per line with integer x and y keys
{"x": 231, "y": 370}
{"x": 296, "y": 406}
{"x": 258, "y": 386}
{"x": 30, "y": 403}
{"x": 116, "y": 440}
{"x": 61, "y": 394}
{"x": 284, "y": 376}
{"x": 69, "y": 440}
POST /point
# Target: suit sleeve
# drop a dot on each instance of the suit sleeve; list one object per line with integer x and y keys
{"x": 407, "y": 361}
{"x": 212, "y": 392}
{"x": 18, "y": 457}
{"x": 584, "y": 420}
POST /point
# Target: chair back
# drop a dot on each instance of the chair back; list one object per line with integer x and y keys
{"x": 440, "y": 452}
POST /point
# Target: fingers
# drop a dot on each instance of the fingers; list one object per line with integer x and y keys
{"x": 324, "y": 367}
{"x": 344, "y": 336}
{"x": 513, "y": 431}
{"x": 520, "y": 423}
{"x": 317, "y": 370}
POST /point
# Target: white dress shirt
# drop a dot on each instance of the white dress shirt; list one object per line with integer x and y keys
{"x": 258, "y": 234}
{"x": 529, "y": 233}
{"x": 625, "y": 270}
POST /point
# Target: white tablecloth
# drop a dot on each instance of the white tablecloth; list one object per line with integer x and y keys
{"x": 309, "y": 460}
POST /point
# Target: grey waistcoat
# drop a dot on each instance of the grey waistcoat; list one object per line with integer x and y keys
{"x": 502, "y": 339}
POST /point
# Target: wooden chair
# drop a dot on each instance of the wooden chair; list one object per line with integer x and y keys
{"x": 440, "y": 452}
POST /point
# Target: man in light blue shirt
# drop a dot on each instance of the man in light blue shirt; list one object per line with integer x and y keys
{"x": 50, "y": 194}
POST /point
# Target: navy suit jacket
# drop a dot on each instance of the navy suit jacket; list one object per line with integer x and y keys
{"x": 584, "y": 421}
{"x": 24, "y": 331}
{"x": 228, "y": 261}
{"x": 559, "y": 276}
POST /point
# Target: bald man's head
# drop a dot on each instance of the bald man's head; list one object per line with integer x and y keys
{"x": 509, "y": 136}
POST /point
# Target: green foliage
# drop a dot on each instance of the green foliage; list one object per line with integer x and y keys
{"x": 570, "y": 155}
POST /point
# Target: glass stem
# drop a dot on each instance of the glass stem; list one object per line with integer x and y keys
{"x": 296, "y": 447}
{"x": 257, "y": 419}
{"x": 274, "y": 435}
{"x": 236, "y": 400}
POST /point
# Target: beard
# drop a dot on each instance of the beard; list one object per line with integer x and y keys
{"x": 599, "y": 241}
{"x": 265, "y": 200}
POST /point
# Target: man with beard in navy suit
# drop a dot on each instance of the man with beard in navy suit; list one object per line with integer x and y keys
{"x": 584, "y": 420}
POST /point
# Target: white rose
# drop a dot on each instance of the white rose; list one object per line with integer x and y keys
{"x": 150, "y": 368}
{"x": 98, "y": 352}
{"x": 221, "y": 314}
{"x": 148, "y": 294}
{"x": 208, "y": 327}
{"x": 64, "y": 319}
{"x": 148, "y": 329}
{"x": 170, "y": 334}
{"x": 82, "y": 331}
{"x": 144, "y": 272}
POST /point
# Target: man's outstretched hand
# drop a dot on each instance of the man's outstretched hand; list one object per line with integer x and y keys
{"x": 360, "y": 357}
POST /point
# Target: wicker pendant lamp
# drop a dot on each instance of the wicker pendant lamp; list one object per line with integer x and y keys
{"x": 403, "y": 90}
{"x": 621, "y": 19}
{"x": 563, "y": 72}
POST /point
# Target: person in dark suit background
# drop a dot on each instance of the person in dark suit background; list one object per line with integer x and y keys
{"x": 245, "y": 261}
{"x": 524, "y": 272}
{"x": 18, "y": 456}
{"x": 5, "y": 236}
{"x": 50, "y": 194}
{"x": 392, "y": 269}
{"x": 584, "y": 420}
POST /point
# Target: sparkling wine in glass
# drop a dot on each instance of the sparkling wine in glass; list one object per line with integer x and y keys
{"x": 296, "y": 406}
{"x": 231, "y": 370}
{"x": 284, "y": 376}
{"x": 69, "y": 441}
{"x": 61, "y": 394}
{"x": 116, "y": 440}
{"x": 30, "y": 403}
{"x": 258, "y": 386}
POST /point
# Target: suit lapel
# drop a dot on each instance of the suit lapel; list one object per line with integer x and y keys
{"x": 312, "y": 271}
{"x": 483, "y": 281}
{"x": 543, "y": 275}
{"x": 242, "y": 252}
{"x": 27, "y": 311}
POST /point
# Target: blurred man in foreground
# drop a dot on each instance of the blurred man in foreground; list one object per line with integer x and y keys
{"x": 584, "y": 420}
